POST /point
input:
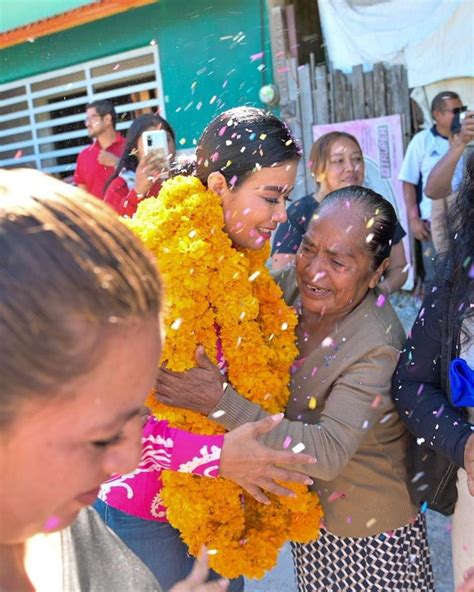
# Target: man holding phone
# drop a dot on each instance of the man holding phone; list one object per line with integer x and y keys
{"x": 447, "y": 174}
{"x": 423, "y": 152}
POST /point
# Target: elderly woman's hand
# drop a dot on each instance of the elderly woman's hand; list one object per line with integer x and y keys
{"x": 198, "y": 389}
{"x": 251, "y": 464}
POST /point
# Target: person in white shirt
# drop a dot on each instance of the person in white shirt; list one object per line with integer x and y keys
{"x": 423, "y": 152}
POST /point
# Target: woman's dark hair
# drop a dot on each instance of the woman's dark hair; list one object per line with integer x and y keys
{"x": 454, "y": 278}
{"x": 319, "y": 155}
{"x": 129, "y": 159}
{"x": 379, "y": 215}
{"x": 242, "y": 140}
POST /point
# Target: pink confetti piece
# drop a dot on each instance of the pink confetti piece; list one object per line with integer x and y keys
{"x": 327, "y": 342}
{"x": 116, "y": 67}
{"x": 380, "y": 302}
{"x": 18, "y": 154}
{"x": 257, "y": 56}
{"x": 313, "y": 371}
{"x": 335, "y": 495}
{"x": 287, "y": 442}
{"x": 222, "y": 130}
{"x": 51, "y": 523}
{"x": 376, "y": 402}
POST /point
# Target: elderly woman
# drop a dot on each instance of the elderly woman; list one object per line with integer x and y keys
{"x": 340, "y": 410}
{"x": 336, "y": 161}
{"x": 79, "y": 343}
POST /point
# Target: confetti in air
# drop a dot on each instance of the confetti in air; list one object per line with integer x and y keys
{"x": 312, "y": 403}
{"x": 298, "y": 448}
{"x": 287, "y": 442}
{"x": 51, "y": 523}
{"x": 335, "y": 495}
{"x": 254, "y": 276}
{"x": 18, "y": 154}
{"x": 175, "y": 325}
{"x": 380, "y": 301}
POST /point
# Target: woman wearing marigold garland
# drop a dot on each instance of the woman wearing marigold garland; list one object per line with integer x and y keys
{"x": 210, "y": 234}
{"x": 340, "y": 410}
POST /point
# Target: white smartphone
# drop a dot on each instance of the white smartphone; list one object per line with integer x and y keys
{"x": 156, "y": 141}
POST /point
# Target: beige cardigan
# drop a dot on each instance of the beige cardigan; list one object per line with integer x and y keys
{"x": 354, "y": 431}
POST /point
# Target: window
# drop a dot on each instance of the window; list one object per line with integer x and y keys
{"x": 42, "y": 123}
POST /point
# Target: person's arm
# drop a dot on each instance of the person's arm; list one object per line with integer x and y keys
{"x": 348, "y": 414}
{"x": 396, "y": 273}
{"x": 239, "y": 456}
{"x": 116, "y": 193}
{"x": 419, "y": 227}
{"x": 416, "y": 388}
{"x": 438, "y": 184}
{"x": 78, "y": 177}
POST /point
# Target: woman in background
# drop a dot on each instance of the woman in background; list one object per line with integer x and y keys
{"x": 438, "y": 407}
{"x": 336, "y": 161}
{"x": 137, "y": 175}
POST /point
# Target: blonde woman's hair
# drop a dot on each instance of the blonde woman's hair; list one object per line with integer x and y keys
{"x": 67, "y": 263}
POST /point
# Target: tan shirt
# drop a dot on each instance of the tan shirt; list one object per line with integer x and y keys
{"x": 354, "y": 431}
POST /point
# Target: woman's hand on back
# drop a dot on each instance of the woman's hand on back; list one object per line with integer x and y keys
{"x": 198, "y": 389}
{"x": 196, "y": 581}
{"x": 254, "y": 466}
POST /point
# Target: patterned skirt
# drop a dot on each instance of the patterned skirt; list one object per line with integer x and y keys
{"x": 398, "y": 561}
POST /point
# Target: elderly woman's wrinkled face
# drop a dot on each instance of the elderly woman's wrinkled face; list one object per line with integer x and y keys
{"x": 334, "y": 267}
{"x": 59, "y": 449}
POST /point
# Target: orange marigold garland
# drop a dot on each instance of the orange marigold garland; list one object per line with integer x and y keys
{"x": 208, "y": 282}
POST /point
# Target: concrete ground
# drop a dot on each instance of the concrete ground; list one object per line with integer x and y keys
{"x": 281, "y": 578}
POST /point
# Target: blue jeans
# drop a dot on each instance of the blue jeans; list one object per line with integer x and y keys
{"x": 158, "y": 545}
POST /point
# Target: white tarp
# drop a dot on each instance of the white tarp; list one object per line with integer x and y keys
{"x": 434, "y": 39}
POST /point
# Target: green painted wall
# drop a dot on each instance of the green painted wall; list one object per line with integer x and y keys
{"x": 199, "y": 58}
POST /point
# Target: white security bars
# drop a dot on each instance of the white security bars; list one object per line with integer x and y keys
{"x": 42, "y": 117}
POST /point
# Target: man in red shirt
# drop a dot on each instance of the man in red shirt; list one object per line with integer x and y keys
{"x": 96, "y": 163}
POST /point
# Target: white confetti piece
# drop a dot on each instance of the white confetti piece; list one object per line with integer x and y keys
{"x": 298, "y": 448}
{"x": 175, "y": 325}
